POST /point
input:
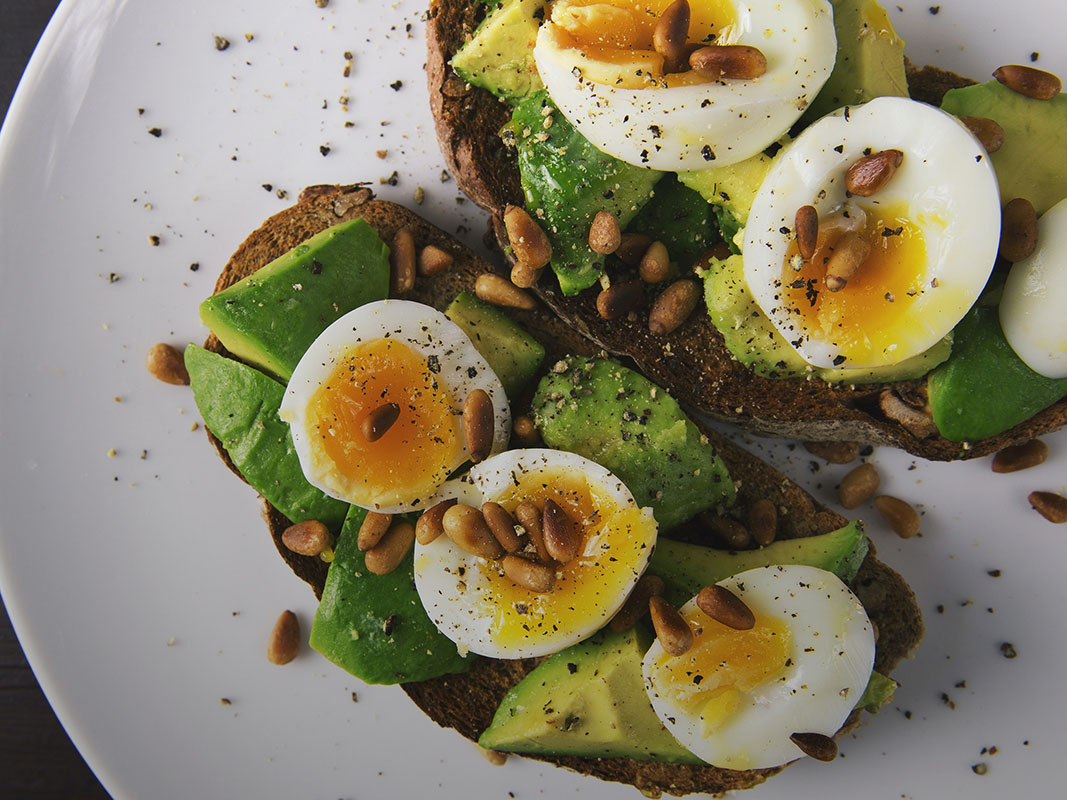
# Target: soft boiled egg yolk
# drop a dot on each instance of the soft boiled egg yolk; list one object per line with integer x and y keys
{"x": 862, "y": 318}
{"x": 416, "y": 453}
{"x": 472, "y": 601}
{"x": 933, "y": 230}
{"x": 601, "y": 69}
{"x": 613, "y": 38}
{"x": 736, "y": 697}
{"x": 722, "y": 665}
{"x": 380, "y": 354}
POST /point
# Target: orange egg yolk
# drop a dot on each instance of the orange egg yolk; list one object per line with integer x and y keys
{"x": 868, "y": 317}
{"x": 614, "y": 38}
{"x": 723, "y": 664}
{"x": 614, "y": 547}
{"x": 414, "y": 455}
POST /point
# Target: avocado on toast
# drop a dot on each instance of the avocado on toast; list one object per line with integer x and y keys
{"x": 695, "y": 361}
{"x": 467, "y": 701}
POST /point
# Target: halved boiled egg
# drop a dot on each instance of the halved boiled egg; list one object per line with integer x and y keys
{"x": 472, "y": 601}
{"x": 737, "y": 696}
{"x": 597, "y": 60}
{"x": 1032, "y": 308}
{"x": 403, "y": 361}
{"x": 933, "y": 232}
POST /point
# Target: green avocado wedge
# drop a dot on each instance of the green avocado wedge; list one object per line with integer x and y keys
{"x": 984, "y": 388}
{"x": 688, "y": 568}
{"x": 270, "y": 318}
{"x": 374, "y": 626}
{"x": 621, "y": 420}
{"x": 239, "y": 406}
{"x": 566, "y": 181}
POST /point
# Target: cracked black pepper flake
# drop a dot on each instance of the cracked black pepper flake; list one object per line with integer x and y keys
{"x": 355, "y": 697}
{"x": 707, "y": 153}
{"x": 390, "y": 624}
{"x": 1007, "y": 649}
{"x": 324, "y": 149}
{"x": 993, "y": 573}
{"x": 268, "y": 187}
{"x": 981, "y": 768}
{"x": 392, "y": 180}
{"x": 140, "y": 112}
{"x": 157, "y": 132}
{"x": 1034, "y": 56}
{"x": 572, "y": 668}
{"x": 396, "y": 86}
{"x": 112, "y": 277}
{"x": 225, "y": 701}
{"x": 153, "y": 240}
{"x": 194, "y": 266}
{"x": 935, "y": 10}
{"x": 221, "y": 43}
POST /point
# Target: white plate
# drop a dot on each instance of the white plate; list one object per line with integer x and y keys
{"x": 142, "y": 583}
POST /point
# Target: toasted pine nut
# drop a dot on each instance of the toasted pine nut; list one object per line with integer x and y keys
{"x": 478, "y": 424}
{"x": 1035, "y": 83}
{"x": 669, "y": 35}
{"x": 165, "y": 363}
{"x": 433, "y": 260}
{"x": 529, "y": 516}
{"x": 987, "y": 131}
{"x": 728, "y": 531}
{"x": 525, "y": 431}
{"x": 620, "y": 299}
{"x": 307, "y": 538}
{"x": 763, "y": 521}
{"x": 672, "y": 630}
{"x": 563, "y": 539}
{"x": 386, "y": 556}
{"x": 500, "y": 292}
{"x": 528, "y": 241}
{"x": 834, "y": 452}
{"x": 604, "y": 234}
{"x": 807, "y": 230}
{"x": 1018, "y": 230}
{"x": 724, "y": 606}
{"x": 524, "y": 276}
{"x": 466, "y": 526}
{"x": 655, "y": 264}
{"x": 632, "y": 248}
{"x": 902, "y": 518}
{"x": 636, "y": 605}
{"x": 847, "y": 256}
{"x": 529, "y": 574}
{"x": 374, "y": 527}
{"x": 858, "y": 486}
{"x": 817, "y": 745}
{"x": 1020, "y": 456}
{"x": 870, "y": 173}
{"x": 502, "y": 524}
{"x": 402, "y": 261}
{"x": 673, "y": 306}
{"x": 429, "y": 524}
{"x": 284, "y": 642}
{"x": 1050, "y": 505}
{"x": 729, "y": 61}
{"x": 378, "y": 422}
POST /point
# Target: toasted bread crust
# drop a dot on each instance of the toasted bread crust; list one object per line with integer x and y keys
{"x": 467, "y": 702}
{"x": 692, "y": 362}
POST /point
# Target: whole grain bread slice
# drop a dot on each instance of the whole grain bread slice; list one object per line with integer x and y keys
{"x": 693, "y": 361}
{"x": 466, "y": 702}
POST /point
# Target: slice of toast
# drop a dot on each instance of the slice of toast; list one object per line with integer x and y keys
{"x": 466, "y": 702}
{"x": 693, "y": 362}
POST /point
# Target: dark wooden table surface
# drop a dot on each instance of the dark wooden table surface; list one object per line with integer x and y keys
{"x": 37, "y": 759}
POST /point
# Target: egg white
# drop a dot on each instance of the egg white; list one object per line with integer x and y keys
{"x": 830, "y": 662}
{"x": 1033, "y": 308}
{"x": 425, "y": 330}
{"x": 948, "y": 185}
{"x": 711, "y": 124}
{"x": 454, "y": 589}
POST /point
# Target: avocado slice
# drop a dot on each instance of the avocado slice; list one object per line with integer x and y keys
{"x": 984, "y": 388}
{"x": 587, "y": 700}
{"x": 688, "y": 568}
{"x": 621, "y": 420}
{"x": 680, "y": 218}
{"x": 870, "y": 59}
{"x": 239, "y": 406}
{"x": 374, "y": 626}
{"x": 755, "y": 342}
{"x": 270, "y": 318}
{"x": 1031, "y": 163}
{"x": 513, "y": 354}
{"x": 731, "y": 188}
{"x": 499, "y": 56}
